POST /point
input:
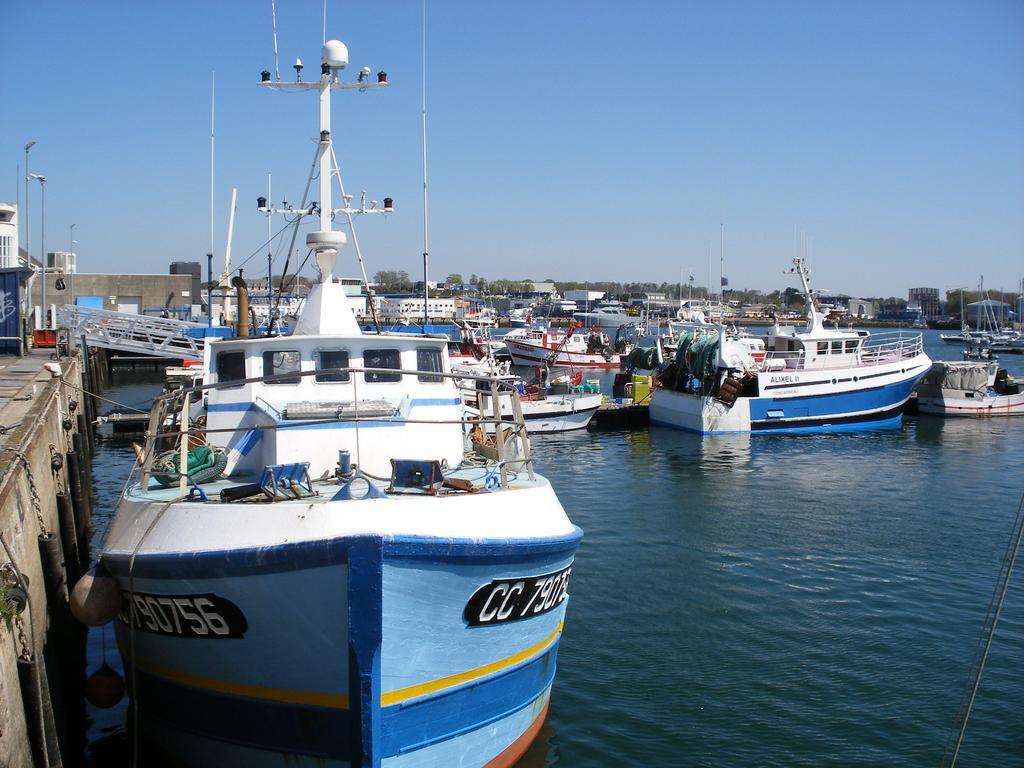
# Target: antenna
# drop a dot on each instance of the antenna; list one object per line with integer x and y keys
{"x": 213, "y": 95}
{"x": 273, "y": 17}
{"x": 426, "y": 248}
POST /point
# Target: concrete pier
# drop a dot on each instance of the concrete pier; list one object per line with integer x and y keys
{"x": 38, "y": 422}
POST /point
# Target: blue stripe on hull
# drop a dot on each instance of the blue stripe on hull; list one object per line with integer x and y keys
{"x": 831, "y": 405}
{"x": 883, "y": 420}
{"x": 408, "y": 727}
{"x": 862, "y": 409}
{"x": 273, "y": 726}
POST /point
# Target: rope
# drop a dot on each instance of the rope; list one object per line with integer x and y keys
{"x": 252, "y": 255}
{"x": 995, "y": 608}
{"x": 84, "y": 391}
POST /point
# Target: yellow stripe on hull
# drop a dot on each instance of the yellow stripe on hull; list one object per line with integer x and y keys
{"x": 338, "y": 701}
{"x": 415, "y": 691}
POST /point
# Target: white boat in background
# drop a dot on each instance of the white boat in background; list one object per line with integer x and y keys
{"x": 977, "y": 389}
{"x": 966, "y": 336}
{"x": 523, "y": 318}
{"x": 608, "y": 316}
{"x": 287, "y": 606}
{"x": 574, "y": 347}
{"x": 477, "y": 352}
{"x": 542, "y": 411}
{"x": 811, "y": 380}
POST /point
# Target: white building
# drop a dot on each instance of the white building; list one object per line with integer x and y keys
{"x": 861, "y": 308}
{"x": 548, "y": 288}
{"x": 62, "y": 261}
{"x": 412, "y": 306}
{"x": 584, "y": 297}
{"x": 8, "y": 235}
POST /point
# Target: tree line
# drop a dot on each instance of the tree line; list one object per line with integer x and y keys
{"x": 398, "y": 281}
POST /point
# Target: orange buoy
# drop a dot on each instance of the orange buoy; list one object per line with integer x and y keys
{"x": 104, "y": 687}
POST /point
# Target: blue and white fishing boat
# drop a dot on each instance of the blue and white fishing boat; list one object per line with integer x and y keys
{"x": 341, "y": 577}
{"x": 789, "y": 380}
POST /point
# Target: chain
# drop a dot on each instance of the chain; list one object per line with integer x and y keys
{"x": 37, "y": 505}
{"x": 26, "y": 652}
{"x": 11, "y": 577}
{"x": 56, "y": 465}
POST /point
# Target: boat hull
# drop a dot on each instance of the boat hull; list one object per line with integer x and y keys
{"x": 800, "y": 406}
{"x": 359, "y": 649}
{"x": 526, "y": 354}
{"x": 980, "y": 407}
{"x": 559, "y": 413}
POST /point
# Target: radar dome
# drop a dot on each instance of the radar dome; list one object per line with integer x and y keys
{"x": 335, "y": 54}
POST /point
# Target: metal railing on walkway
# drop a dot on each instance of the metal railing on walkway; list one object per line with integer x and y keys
{"x": 139, "y": 334}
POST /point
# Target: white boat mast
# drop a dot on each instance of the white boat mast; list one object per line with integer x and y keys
{"x": 327, "y": 309}
{"x": 815, "y": 318}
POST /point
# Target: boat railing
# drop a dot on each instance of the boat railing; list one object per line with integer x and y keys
{"x": 170, "y": 421}
{"x": 891, "y": 347}
{"x": 879, "y": 349}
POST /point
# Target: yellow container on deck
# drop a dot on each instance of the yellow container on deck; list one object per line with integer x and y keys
{"x": 641, "y": 389}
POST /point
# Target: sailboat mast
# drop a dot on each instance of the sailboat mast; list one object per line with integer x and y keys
{"x": 426, "y": 247}
{"x": 213, "y": 103}
{"x": 721, "y": 265}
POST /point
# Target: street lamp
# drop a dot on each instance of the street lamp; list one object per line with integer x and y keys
{"x": 28, "y": 232}
{"x": 42, "y": 236}
{"x": 74, "y": 265}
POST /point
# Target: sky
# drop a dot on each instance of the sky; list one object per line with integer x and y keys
{"x": 568, "y": 140}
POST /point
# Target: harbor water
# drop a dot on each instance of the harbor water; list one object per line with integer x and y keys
{"x": 767, "y": 600}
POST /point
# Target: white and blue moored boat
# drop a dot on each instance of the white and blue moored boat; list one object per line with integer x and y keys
{"x": 789, "y": 380}
{"x": 349, "y": 580}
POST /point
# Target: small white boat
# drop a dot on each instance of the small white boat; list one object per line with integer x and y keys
{"x": 541, "y": 410}
{"x": 523, "y": 318}
{"x": 969, "y": 389}
{"x": 979, "y": 353}
{"x": 966, "y": 336}
{"x": 476, "y": 352}
{"x": 566, "y": 348}
{"x": 608, "y": 316}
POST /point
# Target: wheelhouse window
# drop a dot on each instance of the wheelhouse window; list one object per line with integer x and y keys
{"x": 837, "y": 347}
{"x": 382, "y": 358}
{"x": 331, "y": 358}
{"x": 822, "y": 347}
{"x": 851, "y": 345}
{"x": 278, "y": 362}
{"x": 231, "y": 367}
{"x": 429, "y": 360}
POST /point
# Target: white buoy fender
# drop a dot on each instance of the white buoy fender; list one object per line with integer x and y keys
{"x": 96, "y": 598}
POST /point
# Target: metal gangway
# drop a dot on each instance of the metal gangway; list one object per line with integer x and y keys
{"x": 139, "y": 334}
